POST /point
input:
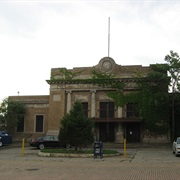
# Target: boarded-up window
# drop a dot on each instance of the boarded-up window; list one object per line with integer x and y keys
{"x": 85, "y": 108}
{"x": 20, "y": 124}
{"x": 106, "y": 109}
{"x": 132, "y": 110}
{"x": 39, "y": 123}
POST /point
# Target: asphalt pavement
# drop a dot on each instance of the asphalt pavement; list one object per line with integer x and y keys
{"x": 146, "y": 163}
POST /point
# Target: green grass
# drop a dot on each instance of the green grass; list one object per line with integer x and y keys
{"x": 71, "y": 151}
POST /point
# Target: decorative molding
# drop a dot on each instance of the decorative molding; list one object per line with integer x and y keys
{"x": 92, "y": 91}
{"x": 68, "y": 91}
{"x": 56, "y": 97}
{"x": 106, "y": 64}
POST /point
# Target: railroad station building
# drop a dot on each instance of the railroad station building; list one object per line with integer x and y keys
{"x": 112, "y": 123}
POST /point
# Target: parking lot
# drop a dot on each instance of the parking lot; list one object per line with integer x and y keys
{"x": 139, "y": 163}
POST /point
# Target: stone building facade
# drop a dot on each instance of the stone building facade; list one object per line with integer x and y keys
{"x": 112, "y": 123}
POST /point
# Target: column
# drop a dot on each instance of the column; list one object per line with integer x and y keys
{"x": 93, "y": 103}
{"x": 68, "y": 101}
{"x": 119, "y": 112}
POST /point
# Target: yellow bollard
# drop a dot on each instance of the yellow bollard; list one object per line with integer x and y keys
{"x": 124, "y": 148}
{"x": 22, "y": 153}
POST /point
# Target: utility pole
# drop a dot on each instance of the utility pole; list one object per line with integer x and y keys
{"x": 108, "y": 36}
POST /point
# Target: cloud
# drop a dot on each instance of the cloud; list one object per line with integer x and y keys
{"x": 36, "y": 36}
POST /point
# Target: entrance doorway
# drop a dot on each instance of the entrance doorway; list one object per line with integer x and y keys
{"x": 133, "y": 132}
{"x": 107, "y": 132}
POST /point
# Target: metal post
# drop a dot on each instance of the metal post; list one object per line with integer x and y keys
{"x": 124, "y": 148}
{"x": 107, "y": 116}
{"x": 22, "y": 153}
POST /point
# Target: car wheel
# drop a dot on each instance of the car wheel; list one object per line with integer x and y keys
{"x": 41, "y": 146}
{"x": 1, "y": 144}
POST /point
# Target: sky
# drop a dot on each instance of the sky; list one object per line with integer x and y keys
{"x": 37, "y": 35}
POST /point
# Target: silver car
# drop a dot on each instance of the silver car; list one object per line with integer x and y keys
{"x": 176, "y": 146}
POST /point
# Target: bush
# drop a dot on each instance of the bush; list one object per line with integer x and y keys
{"x": 76, "y": 128}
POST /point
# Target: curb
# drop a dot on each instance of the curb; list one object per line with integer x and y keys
{"x": 73, "y": 155}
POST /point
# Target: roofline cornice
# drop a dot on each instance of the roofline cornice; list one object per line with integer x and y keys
{"x": 98, "y": 81}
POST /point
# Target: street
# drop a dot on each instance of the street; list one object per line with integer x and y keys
{"x": 140, "y": 163}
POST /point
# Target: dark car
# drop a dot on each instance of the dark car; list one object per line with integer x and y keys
{"x": 5, "y": 138}
{"x": 0, "y": 141}
{"x": 45, "y": 141}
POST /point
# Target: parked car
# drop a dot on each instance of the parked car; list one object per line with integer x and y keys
{"x": 176, "y": 146}
{"x": 0, "y": 141}
{"x": 5, "y": 138}
{"x": 46, "y": 141}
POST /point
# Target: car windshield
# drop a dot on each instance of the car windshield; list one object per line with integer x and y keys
{"x": 178, "y": 141}
{"x": 50, "y": 138}
{"x": 4, "y": 133}
{"x": 56, "y": 138}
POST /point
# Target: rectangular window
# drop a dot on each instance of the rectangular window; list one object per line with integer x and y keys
{"x": 39, "y": 123}
{"x": 85, "y": 108}
{"x": 132, "y": 110}
{"x": 106, "y": 109}
{"x": 20, "y": 124}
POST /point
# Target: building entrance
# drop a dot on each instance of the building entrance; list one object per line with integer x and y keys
{"x": 133, "y": 132}
{"x": 107, "y": 132}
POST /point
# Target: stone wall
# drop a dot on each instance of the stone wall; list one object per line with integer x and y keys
{"x": 151, "y": 138}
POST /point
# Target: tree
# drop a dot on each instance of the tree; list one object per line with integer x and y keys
{"x": 76, "y": 128}
{"x": 151, "y": 96}
{"x": 66, "y": 74}
{"x": 173, "y": 62}
{"x": 153, "y": 100}
{"x": 10, "y": 114}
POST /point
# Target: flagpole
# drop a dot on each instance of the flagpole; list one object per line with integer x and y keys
{"x": 108, "y": 36}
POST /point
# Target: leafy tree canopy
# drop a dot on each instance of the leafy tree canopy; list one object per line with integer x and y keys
{"x": 151, "y": 96}
{"x": 173, "y": 62}
{"x": 67, "y": 74}
{"x": 10, "y": 113}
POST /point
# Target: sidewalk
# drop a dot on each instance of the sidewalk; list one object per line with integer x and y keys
{"x": 135, "y": 145}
